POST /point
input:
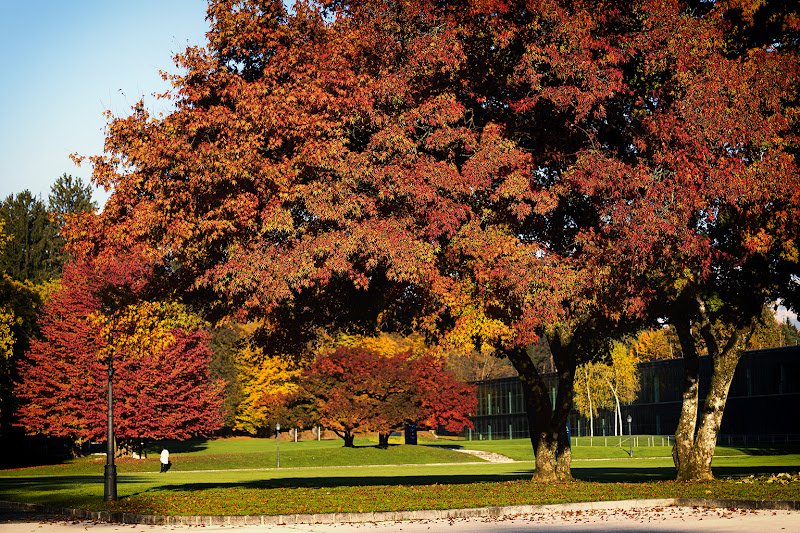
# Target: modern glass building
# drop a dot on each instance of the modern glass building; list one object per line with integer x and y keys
{"x": 763, "y": 402}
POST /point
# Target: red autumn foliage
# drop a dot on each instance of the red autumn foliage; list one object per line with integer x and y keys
{"x": 354, "y": 390}
{"x": 523, "y": 169}
{"x": 159, "y": 392}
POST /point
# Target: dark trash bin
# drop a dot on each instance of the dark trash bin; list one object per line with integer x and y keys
{"x": 411, "y": 434}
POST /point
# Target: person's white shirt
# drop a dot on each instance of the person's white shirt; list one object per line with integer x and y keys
{"x": 164, "y": 456}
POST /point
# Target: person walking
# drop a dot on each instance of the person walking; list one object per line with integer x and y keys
{"x": 164, "y": 460}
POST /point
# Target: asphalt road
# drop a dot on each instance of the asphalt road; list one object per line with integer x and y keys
{"x": 649, "y": 520}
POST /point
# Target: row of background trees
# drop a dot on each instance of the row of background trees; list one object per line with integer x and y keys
{"x": 32, "y": 257}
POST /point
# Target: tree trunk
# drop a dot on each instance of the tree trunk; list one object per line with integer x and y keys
{"x": 564, "y": 459}
{"x": 705, "y": 443}
{"x": 124, "y": 447}
{"x": 617, "y": 411}
{"x": 687, "y": 422}
{"x": 695, "y": 444}
{"x": 694, "y": 454}
{"x": 539, "y": 412}
{"x": 347, "y": 436}
{"x": 565, "y": 397}
{"x": 547, "y": 424}
{"x": 591, "y": 407}
{"x": 383, "y": 440}
{"x": 75, "y": 447}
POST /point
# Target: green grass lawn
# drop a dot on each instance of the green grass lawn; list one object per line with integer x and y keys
{"x": 522, "y": 451}
{"x": 235, "y": 454}
{"x": 238, "y": 477}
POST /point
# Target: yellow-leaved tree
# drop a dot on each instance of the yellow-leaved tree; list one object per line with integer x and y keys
{"x": 149, "y": 326}
{"x": 622, "y": 378}
{"x": 261, "y": 376}
{"x": 6, "y": 319}
{"x": 607, "y": 385}
{"x": 467, "y": 364}
{"x": 19, "y": 307}
{"x": 386, "y": 344}
{"x": 591, "y": 391}
{"x": 656, "y": 344}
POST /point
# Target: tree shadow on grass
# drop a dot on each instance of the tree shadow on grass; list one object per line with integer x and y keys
{"x": 343, "y": 481}
{"x": 154, "y": 448}
{"x": 49, "y": 490}
{"x": 624, "y": 475}
{"x": 768, "y": 450}
{"x": 667, "y": 473}
{"x": 52, "y": 489}
{"x": 599, "y": 475}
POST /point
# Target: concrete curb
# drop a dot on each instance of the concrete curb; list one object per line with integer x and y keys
{"x": 396, "y": 516}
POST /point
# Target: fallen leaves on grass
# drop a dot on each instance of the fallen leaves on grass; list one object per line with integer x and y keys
{"x": 354, "y": 499}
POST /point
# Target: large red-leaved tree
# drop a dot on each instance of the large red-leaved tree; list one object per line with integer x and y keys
{"x": 356, "y": 390}
{"x": 160, "y": 358}
{"x": 377, "y": 151}
{"x": 700, "y": 199}
{"x": 488, "y": 172}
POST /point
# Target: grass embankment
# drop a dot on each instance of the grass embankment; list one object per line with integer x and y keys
{"x": 244, "y": 454}
{"x": 520, "y": 449}
{"x": 212, "y": 478}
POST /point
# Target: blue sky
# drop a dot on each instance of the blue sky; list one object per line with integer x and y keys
{"x": 64, "y": 63}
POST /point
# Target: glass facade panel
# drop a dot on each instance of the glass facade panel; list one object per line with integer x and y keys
{"x": 765, "y": 388}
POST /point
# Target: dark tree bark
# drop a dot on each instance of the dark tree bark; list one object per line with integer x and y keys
{"x": 347, "y": 436}
{"x": 570, "y": 344}
{"x": 547, "y": 422}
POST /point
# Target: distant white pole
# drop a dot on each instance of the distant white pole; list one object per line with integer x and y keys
{"x": 278, "y": 442}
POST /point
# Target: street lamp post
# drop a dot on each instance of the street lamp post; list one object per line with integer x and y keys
{"x": 278, "y": 442}
{"x": 630, "y": 435}
{"x": 110, "y": 476}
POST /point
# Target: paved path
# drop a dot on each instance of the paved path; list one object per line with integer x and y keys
{"x": 632, "y": 520}
{"x": 486, "y": 456}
